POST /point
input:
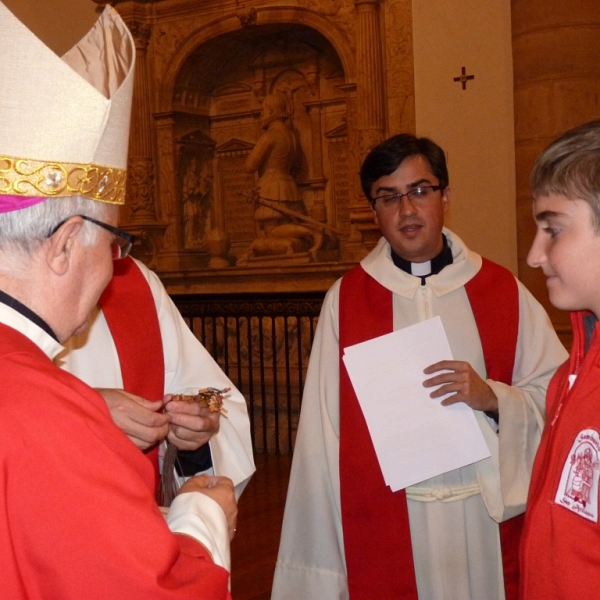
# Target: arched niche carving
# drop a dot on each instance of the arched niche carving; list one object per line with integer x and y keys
{"x": 195, "y": 154}
{"x": 217, "y": 95}
{"x": 334, "y": 130}
{"x": 270, "y": 18}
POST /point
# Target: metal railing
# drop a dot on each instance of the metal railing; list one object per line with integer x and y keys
{"x": 262, "y": 342}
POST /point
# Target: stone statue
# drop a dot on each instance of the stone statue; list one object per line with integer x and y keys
{"x": 276, "y": 193}
{"x": 196, "y": 189}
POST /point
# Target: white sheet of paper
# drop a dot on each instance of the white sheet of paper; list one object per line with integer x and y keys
{"x": 414, "y": 436}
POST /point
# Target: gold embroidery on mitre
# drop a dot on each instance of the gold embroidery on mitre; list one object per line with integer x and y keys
{"x": 24, "y": 177}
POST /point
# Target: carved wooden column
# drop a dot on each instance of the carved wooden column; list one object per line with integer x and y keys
{"x": 369, "y": 75}
{"x": 167, "y": 183}
{"x": 140, "y": 184}
{"x": 369, "y": 119}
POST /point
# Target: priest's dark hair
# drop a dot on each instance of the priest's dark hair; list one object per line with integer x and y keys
{"x": 570, "y": 166}
{"x": 387, "y": 156}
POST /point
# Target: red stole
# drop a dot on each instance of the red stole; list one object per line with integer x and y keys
{"x": 376, "y": 527}
{"x": 130, "y": 311}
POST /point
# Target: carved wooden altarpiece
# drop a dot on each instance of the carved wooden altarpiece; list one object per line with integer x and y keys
{"x": 335, "y": 76}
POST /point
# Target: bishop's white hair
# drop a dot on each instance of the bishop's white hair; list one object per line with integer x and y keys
{"x": 24, "y": 230}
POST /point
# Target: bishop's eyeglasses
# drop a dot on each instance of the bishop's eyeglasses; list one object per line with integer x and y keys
{"x": 417, "y": 195}
{"x": 122, "y": 241}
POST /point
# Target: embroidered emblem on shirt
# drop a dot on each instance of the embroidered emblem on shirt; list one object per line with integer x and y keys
{"x": 578, "y": 487}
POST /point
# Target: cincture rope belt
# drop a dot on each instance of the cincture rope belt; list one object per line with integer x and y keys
{"x": 443, "y": 494}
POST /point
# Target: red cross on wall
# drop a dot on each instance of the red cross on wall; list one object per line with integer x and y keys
{"x": 464, "y": 78}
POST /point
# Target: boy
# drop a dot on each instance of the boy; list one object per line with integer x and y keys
{"x": 560, "y": 554}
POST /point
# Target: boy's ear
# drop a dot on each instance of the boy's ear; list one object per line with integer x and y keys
{"x": 60, "y": 246}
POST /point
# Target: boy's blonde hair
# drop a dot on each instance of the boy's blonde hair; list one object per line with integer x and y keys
{"x": 570, "y": 166}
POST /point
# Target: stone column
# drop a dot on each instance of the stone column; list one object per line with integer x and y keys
{"x": 141, "y": 178}
{"x": 369, "y": 118}
{"x": 369, "y": 75}
{"x": 167, "y": 182}
{"x": 556, "y": 50}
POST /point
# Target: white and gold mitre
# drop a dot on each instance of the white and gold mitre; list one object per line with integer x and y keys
{"x": 64, "y": 122}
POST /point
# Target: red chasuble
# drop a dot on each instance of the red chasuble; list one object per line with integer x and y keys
{"x": 130, "y": 311}
{"x": 78, "y": 519}
{"x": 376, "y": 526}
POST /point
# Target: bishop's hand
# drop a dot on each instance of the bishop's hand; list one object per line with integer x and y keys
{"x": 142, "y": 421}
{"x": 220, "y": 489}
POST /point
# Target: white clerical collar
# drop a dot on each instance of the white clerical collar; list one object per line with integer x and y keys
{"x": 13, "y": 318}
{"x": 420, "y": 269}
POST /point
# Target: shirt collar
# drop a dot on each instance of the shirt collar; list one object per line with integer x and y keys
{"x": 465, "y": 264}
{"x": 431, "y": 267}
{"x": 589, "y": 323}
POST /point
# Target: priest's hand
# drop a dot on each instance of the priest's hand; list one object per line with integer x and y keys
{"x": 221, "y": 490}
{"x": 460, "y": 379}
{"x": 191, "y": 426}
{"x": 142, "y": 421}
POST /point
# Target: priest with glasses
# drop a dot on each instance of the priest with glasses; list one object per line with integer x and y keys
{"x": 454, "y": 536}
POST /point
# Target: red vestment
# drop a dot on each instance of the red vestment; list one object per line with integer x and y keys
{"x": 130, "y": 314}
{"x": 78, "y": 517}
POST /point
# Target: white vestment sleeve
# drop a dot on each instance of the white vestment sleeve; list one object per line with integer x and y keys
{"x": 311, "y": 561}
{"x": 200, "y": 517}
{"x": 504, "y": 479}
{"x": 188, "y": 368}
